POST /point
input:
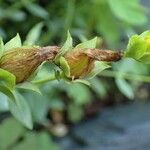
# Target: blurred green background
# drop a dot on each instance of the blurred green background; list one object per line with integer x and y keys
{"x": 46, "y": 22}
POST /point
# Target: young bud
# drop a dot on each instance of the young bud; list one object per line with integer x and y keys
{"x": 23, "y": 61}
{"x": 139, "y": 47}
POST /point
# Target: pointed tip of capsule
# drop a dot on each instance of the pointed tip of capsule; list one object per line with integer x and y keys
{"x": 105, "y": 55}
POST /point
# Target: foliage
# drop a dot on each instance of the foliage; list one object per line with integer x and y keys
{"x": 139, "y": 47}
{"x": 18, "y": 105}
{"x": 107, "y": 19}
{"x": 15, "y": 132}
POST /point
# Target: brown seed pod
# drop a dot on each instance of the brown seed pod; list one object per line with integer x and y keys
{"x": 81, "y": 62}
{"x": 23, "y": 61}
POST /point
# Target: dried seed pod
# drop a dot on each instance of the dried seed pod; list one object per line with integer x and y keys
{"x": 81, "y": 62}
{"x": 23, "y": 61}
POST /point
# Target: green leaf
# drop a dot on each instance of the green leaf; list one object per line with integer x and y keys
{"x": 125, "y": 88}
{"x": 36, "y": 141}
{"x": 131, "y": 66}
{"x": 21, "y": 111}
{"x": 145, "y": 34}
{"x": 9, "y": 93}
{"x": 29, "y": 86}
{"x": 75, "y": 113}
{"x": 39, "y": 105}
{"x": 64, "y": 66}
{"x": 37, "y": 10}
{"x": 7, "y": 79}
{"x": 145, "y": 58}
{"x": 16, "y": 15}
{"x": 66, "y": 47}
{"x": 82, "y": 82}
{"x": 130, "y": 11}
{"x": 1, "y": 47}
{"x": 84, "y": 95}
{"x": 87, "y": 44}
{"x": 58, "y": 74}
{"x": 37, "y": 71}
{"x": 3, "y": 103}
{"x": 10, "y": 132}
{"x": 13, "y": 43}
{"x": 2, "y": 31}
{"x": 34, "y": 34}
{"x": 107, "y": 25}
{"x": 136, "y": 47}
{"x": 56, "y": 104}
{"x": 99, "y": 87}
{"x": 99, "y": 67}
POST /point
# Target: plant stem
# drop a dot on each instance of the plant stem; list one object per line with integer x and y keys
{"x": 50, "y": 78}
{"x": 116, "y": 74}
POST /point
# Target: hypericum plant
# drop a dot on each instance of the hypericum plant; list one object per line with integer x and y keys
{"x": 73, "y": 64}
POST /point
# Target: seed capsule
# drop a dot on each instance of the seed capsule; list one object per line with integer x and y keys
{"x": 23, "y": 61}
{"x": 81, "y": 62}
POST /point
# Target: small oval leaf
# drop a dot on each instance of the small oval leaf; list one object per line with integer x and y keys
{"x": 7, "y": 79}
{"x": 67, "y": 46}
{"x": 34, "y": 34}
{"x": 99, "y": 66}
{"x": 82, "y": 82}
{"x": 87, "y": 44}
{"x": 9, "y": 93}
{"x": 64, "y": 66}
{"x": 145, "y": 58}
{"x": 125, "y": 88}
{"x": 1, "y": 47}
{"x": 29, "y": 86}
{"x": 21, "y": 111}
{"x": 13, "y": 43}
